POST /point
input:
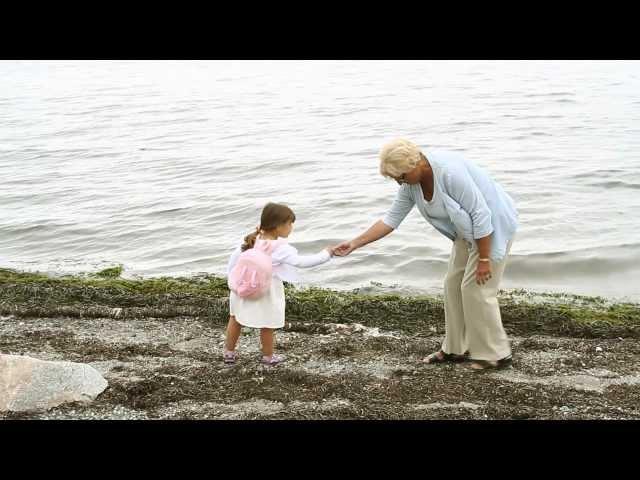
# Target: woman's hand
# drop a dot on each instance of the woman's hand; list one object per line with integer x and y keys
{"x": 483, "y": 272}
{"x": 343, "y": 249}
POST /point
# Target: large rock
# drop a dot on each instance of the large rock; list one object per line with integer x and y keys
{"x": 27, "y": 383}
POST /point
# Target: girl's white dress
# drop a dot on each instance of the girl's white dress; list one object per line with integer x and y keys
{"x": 268, "y": 310}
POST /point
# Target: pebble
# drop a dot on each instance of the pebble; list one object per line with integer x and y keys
{"x": 598, "y": 349}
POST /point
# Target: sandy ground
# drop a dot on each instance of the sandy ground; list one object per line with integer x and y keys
{"x": 172, "y": 369}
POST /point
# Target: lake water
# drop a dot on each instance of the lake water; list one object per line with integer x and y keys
{"x": 163, "y": 166}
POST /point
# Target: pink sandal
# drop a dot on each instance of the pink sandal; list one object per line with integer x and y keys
{"x": 273, "y": 360}
{"x": 229, "y": 357}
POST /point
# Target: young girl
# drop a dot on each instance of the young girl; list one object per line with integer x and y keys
{"x": 267, "y": 311}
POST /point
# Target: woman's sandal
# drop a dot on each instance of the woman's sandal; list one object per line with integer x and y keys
{"x": 442, "y": 357}
{"x": 484, "y": 365}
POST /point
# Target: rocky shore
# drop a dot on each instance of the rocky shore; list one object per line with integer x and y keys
{"x": 351, "y": 355}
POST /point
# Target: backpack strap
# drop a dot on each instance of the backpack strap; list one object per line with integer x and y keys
{"x": 268, "y": 246}
{"x": 275, "y": 244}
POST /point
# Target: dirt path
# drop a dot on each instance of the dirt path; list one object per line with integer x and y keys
{"x": 172, "y": 369}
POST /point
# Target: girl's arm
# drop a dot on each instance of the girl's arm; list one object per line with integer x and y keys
{"x": 289, "y": 255}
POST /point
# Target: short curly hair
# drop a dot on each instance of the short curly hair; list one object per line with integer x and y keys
{"x": 397, "y": 157}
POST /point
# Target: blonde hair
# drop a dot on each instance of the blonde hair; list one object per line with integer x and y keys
{"x": 397, "y": 157}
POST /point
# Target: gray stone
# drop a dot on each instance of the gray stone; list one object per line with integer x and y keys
{"x": 28, "y": 384}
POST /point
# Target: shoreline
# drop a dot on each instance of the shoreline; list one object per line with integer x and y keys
{"x": 409, "y": 287}
{"x": 158, "y": 343}
{"x": 107, "y": 295}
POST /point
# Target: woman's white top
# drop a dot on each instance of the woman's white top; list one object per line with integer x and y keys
{"x": 435, "y": 207}
{"x": 285, "y": 258}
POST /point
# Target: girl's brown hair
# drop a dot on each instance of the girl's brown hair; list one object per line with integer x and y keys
{"x": 273, "y": 215}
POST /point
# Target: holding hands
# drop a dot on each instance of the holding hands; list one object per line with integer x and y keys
{"x": 373, "y": 233}
{"x": 341, "y": 250}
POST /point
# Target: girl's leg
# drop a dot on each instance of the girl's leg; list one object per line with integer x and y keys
{"x": 266, "y": 339}
{"x": 233, "y": 333}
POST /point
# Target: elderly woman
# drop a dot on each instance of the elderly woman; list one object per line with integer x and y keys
{"x": 467, "y": 206}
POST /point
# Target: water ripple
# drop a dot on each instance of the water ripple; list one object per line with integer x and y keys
{"x": 164, "y": 166}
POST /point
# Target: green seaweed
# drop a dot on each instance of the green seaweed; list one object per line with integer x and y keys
{"x": 206, "y": 296}
{"x": 111, "y": 272}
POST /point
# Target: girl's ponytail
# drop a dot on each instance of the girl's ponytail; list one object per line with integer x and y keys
{"x": 250, "y": 240}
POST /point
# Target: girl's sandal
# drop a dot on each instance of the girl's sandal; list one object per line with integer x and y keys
{"x": 442, "y": 357}
{"x": 273, "y": 360}
{"x": 484, "y": 365}
{"x": 229, "y": 357}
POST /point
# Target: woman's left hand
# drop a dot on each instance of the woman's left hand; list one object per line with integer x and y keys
{"x": 483, "y": 272}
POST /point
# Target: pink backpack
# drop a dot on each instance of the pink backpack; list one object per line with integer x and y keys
{"x": 251, "y": 275}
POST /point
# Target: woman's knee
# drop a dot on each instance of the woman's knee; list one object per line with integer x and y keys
{"x": 471, "y": 291}
{"x": 452, "y": 282}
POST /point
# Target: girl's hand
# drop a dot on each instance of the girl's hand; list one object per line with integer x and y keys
{"x": 330, "y": 250}
{"x": 483, "y": 272}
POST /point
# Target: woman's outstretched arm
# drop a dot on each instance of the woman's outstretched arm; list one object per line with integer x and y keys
{"x": 373, "y": 233}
